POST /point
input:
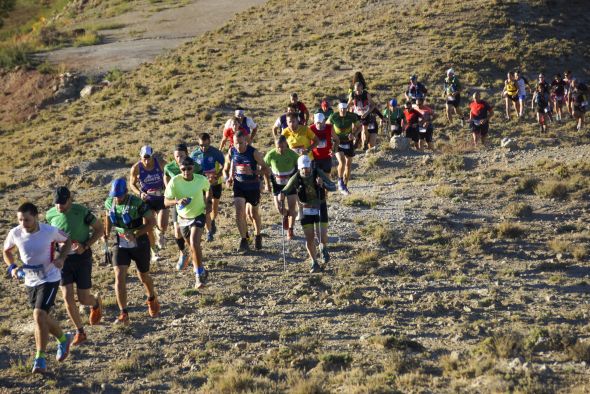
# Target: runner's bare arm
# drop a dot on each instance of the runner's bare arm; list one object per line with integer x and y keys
{"x": 264, "y": 169}
{"x": 63, "y": 253}
{"x": 149, "y": 221}
{"x": 170, "y": 202}
{"x": 134, "y": 179}
{"x": 97, "y": 233}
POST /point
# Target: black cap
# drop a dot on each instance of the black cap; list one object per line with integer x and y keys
{"x": 61, "y": 195}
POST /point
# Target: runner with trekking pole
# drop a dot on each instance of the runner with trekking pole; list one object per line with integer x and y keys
{"x": 310, "y": 184}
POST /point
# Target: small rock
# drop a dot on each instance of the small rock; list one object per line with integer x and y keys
{"x": 508, "y": 144}
{"x": 516, "y": 363}
{"x": 88, "y": 90}
{"x": 240, "y": 345}
{"x": 399, "y": 143}
{"x": 549, "y": 297}
{"x": 365, "y": 337}
{"x": 544, "y": 369}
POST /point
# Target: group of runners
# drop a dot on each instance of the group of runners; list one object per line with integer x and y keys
{"x": 548, "y": 98}
{"x": 297, "y": 171}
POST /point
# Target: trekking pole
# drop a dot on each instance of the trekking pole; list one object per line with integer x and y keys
{"x": 283, "y": 237}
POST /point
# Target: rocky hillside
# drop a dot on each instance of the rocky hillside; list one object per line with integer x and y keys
{"x": 453, "y": 271}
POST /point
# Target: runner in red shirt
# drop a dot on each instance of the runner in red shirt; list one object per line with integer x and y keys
{"x": 479, "y": 118}
{"x": 303, "y": 112}
{"x": 233, "y": 125}
{"x": 322, "y": 154}
{"x": 410, "y": 123}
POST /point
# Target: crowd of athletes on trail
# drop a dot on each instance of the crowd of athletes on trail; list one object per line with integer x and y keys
{"x": 297, "y": 171}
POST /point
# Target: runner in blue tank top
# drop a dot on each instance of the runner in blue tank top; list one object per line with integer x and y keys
{"x": 242, "y": 171}
{"x": 147, "y": 181}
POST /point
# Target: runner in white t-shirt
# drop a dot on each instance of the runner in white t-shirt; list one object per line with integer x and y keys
{"x": 36, "y": 245}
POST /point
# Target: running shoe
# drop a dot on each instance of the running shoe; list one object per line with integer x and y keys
{"x": 315, "y": 267}
{"x": 63, "y": 349}
{"x": 325, "y": 254}
{"x": 213, "y": 227}
{"x": 122, "y": 319}
{"x": 344, "y": 190}
{"x": 201, "y": 280}
{"x": 96, "y": 313}
{"x": 209, "y": 236}
{"x": 244, "y": 247}
{"x": 79, "y": 338}
{"x": 39, "y": 365}
{"x": 258, "y": 242}
{"x": 181, "y": 264}
{"x": 341, "y": 186}
{"x": 153, "y": 307}
{"x": 290, "y": 234}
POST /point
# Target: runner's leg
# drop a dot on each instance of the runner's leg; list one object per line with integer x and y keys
{"x": 121, "y": 285}
{"x": 240, "y": 206}
{"x": 67, "y": 292}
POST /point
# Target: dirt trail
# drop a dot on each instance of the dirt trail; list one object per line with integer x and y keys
{"x": 144, "y": 38}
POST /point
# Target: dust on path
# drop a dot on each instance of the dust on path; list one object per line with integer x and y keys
{"x": 146, "y": 37}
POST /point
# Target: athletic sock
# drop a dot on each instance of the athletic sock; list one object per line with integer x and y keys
{"x": 81, "y": 330}
{"x": 124, "y": 310}
{"x": 151, "y": 298}
{"x": 40, "y": 354}
{"x": 180, "y": 243}
{"x": 63, "y": 338}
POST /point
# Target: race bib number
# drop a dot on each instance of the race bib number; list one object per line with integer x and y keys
{"x": 422, "y": 130}
{"x": 478, "y": 122}
{"x": 311, "y": 211}
{"x": 154, "y": 192}
{"x": 126, "y": 243}
{"x": 243, "y": 169}
{"x": 299, "y": 151}
{"x": 282, "y": 179}
{"x": 34, "y": 272}
{"x": 584, "y": 104}
{"x": 322, "y": 143}
{"x": 394, "y": 127}
{"x": 183, "y": 222}
{"x": 371, "y": 126}
{"x": 451, "y": 98}
{"x": 344, "y": 146}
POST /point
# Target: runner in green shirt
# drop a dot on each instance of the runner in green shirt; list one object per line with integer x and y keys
{"x": 170, "y": 171}
{"x": 186, "y": 193}
{"x": 283, "y": 164}
{"x": 393, "y": 115}
{"x": 346, "y": 127}
{"x": 132, "y": 219}
{"x": 84, "y": 229}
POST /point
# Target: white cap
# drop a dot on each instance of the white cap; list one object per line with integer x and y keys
{"x": 342, "y": 105}
{"x": 303, "y": 162}
{"x": 450, "y": 71}
{"x": 239, "y": 113}
{"x": 146, "y": 150}
{"x": 319, "y": 118}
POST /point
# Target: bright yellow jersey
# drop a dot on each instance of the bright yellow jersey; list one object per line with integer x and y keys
{"x": 299, "y": 139}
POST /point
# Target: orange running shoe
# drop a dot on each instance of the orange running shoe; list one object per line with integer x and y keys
{"x": 96, "y": 313}
{"x": 123, "y": 319}
{"x": 79, "y": 338}
{"x": 153, "y": 307}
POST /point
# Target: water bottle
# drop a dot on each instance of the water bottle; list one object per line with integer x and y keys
{"x": 181, "y": 206}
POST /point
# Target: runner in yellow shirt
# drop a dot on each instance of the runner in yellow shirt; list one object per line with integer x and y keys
{"x": 300, "y": 138}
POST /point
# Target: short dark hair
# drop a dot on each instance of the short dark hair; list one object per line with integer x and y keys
{"x": 28, "y": 207}
{"x": 205, "y": 137}
{"x": 181, "y": 148}
{"x": 187, "y": 161}
{"x": 293, "y": 116}
{"x": 293, "y": 107}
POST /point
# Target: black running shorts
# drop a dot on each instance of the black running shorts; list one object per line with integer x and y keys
{"x": 43, "y": 296}
{"x": 141, "y": 254}
{"x": 78, "y": 269}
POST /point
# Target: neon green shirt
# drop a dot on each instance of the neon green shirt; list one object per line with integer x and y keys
{"x": 179, "y": 188}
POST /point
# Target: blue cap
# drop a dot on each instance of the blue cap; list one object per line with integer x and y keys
{"x": 118, "y": 187}
{"x": 393, "y": 102}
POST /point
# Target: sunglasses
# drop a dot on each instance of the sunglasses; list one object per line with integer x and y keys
{"x": 186, "y": 168}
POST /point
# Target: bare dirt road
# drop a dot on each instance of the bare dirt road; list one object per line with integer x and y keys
{"x": 145, "y": 37}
